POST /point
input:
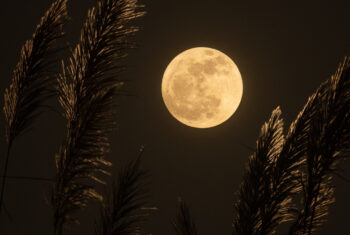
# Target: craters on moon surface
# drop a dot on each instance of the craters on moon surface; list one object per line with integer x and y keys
{"x": 202, "y": 87}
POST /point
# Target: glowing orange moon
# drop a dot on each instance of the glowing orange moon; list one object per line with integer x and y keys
{"x": 202, "y": 87}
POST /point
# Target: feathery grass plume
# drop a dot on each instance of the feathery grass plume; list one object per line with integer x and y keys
{"x": 30, "y": 84}
{"x": 184, "y": 223}
{"x": 125, "y": 206}
{"x": 327, "y": 141}
{"x": 284, "y": 174}
{"x": 285, "y": 170}
{"x": 257, "y": 210}
{"x": 86, "y": 89}
{"x": 316, "y": 139}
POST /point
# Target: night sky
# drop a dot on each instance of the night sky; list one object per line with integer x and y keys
{"x": 283, "y": 50}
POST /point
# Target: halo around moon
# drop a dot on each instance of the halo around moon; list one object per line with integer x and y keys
{"x": 202, "y": 87}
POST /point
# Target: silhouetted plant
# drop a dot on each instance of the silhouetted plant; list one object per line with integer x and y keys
{"x": 184, "y": 223}
{"x": 87, "y": 88}
{"x": 256, "y": 196}
{"x": 124, "y": 208}
{"x": 316, "y": 140}
{"x": 328, "y": 141}
{"x": 31, "y": 80}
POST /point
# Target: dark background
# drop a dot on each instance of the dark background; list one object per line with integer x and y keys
{"x": 283, "y": 49}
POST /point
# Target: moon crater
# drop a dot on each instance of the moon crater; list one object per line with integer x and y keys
{"x": 202, "y": 87}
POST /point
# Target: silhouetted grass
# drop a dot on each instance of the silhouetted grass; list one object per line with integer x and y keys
{"x": 31, "y": 80}
{"x": 316, "y": 140}
{"x": 328, "y": 141}
{"x": 184, "y": 223}
{"x": 257, "y": 212}
{"x": 87, "y": 88}
{"x": 124, "y": 208}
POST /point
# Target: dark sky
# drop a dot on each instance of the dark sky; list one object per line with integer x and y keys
{"x": 284, "y": 50}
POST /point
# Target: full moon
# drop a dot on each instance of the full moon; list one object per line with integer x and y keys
{"x": 202, "y": 87}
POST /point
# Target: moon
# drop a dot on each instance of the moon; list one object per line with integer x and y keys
{"x": 202, "y": 87}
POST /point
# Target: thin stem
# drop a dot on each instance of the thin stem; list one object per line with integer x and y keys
{"x": 31, "y": 178}
{"x": 5, "y": 174}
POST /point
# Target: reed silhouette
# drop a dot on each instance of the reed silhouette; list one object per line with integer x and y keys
{"x": 300, "y": 164}
{"x": 124, "y": 208}
{"x": 184, "y": 224}
{"x": 283, "y": 168}
{"x": 32, "y": 80}
{"x": 87, "y": 89}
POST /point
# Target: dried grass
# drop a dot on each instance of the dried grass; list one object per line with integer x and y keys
{"x": 87, "y": 89}
{"x": 31, "y": 81}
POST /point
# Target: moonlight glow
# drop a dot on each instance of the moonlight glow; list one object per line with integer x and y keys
{"x": 202, "y": 87}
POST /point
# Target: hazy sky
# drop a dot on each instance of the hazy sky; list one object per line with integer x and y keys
{"x": 283, "y": 50}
